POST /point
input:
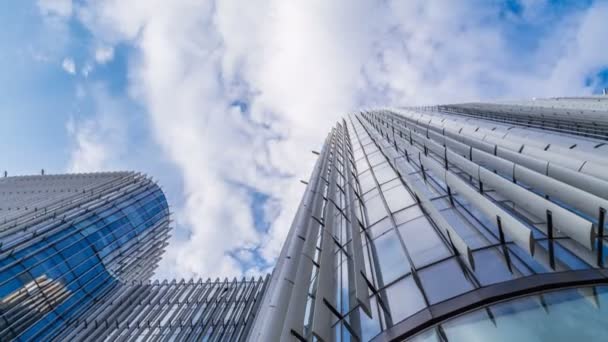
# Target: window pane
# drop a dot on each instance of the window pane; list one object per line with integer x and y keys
{"x": 403, "y": 299}
{"x": 375, "y": 209}
{"x": 435, "y": 278}
{"x": 398, "y": 198}
{"x": 391, "y": 257}
{"x": 568, "y": 315}
{"x": 422, "y": 242}
{"x": 408, "y": 214}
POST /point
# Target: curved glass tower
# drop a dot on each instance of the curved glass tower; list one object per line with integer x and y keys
{"x": 469, "y": 222}
{"x": 76, "y": 256}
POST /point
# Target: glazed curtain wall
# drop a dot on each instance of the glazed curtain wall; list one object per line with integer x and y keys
{"x": 54, "y": 269}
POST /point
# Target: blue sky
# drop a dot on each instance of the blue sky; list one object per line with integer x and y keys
{"x": 222, "y": 101}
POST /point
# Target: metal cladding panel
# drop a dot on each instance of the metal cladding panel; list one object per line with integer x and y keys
{"x": 451, "y": 234}
{"x": 570, "y": 195}
{"x": 513, "y": 228}
{"x": 576, "y": 227}
{"x": 560, "y": 159}
{"x": 464, "y": 164}
{"x": 294, "y": 315}
{"x": 185, "y": 311}
{"x": 493, "y": 163}
{"x": 595, "y": 170}
{"x": 461, "y": 149}
{"x": 582, "y": 181}
{"x": 73, "y": 251}
{"x": 535, "y": 164}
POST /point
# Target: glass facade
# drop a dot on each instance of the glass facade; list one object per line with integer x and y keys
{"x": 575, "y": 314}
{"x": 415, "y": 215}
{"x": 76, "y": 249}
{"x": 469, "y": 222}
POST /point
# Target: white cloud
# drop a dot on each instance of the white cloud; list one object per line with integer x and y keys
{"x": 98, "y": 138}
{"x": 62, "y": 8}
{"x": 104, "y": 54}
{"x": 301, "y": 65}
{"x": 69, "y": 66}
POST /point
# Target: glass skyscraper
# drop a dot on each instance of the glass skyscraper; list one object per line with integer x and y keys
{"x": 76, "y": 256}
{"x": 467, "y": 222}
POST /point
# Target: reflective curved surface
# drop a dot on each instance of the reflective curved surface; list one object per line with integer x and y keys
{"x": 577, "y": 314}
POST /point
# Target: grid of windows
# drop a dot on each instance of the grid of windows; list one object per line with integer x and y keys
{"x": 413, "y": 215}
{"x": 57, "y": 261}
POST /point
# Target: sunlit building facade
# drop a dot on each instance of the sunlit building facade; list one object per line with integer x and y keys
{"x": 470, "y": 222}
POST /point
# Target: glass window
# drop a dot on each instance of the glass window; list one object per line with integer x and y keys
{"x": 380, "y": 227}
{"x": 366, "y": 181}
{"x": 384, "y": 173}
{"x": 391, "y": 258}
{"x": 403, "y": 299}
{"x": 407, "y": 214}
{"x": 376, "y": 158}
{"x": 469, "y": 233}
{"x": 435, "y": 278}
{"x": 398, "y": 198}
{"x": 422, "y": 242}
{"x": 490, "y": 266}
{"x": 375, "y": 209}
{"x": 568, "y": 315}
{"x": 426, "y": 336}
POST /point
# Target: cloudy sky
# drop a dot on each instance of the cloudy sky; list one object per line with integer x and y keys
{"x": 222, "y": 101}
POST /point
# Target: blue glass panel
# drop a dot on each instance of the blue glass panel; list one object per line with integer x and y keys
{"x": 435, "y": 278}
{"x": 391, "y": 258}
{"x": 567, "y": 315}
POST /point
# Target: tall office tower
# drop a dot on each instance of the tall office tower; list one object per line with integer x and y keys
{"x": 76, "y": 256}
{"x": 470, "y": 222}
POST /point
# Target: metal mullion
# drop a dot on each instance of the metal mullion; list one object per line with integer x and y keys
{"x": 64, "y": 259}
{"x": 394, "y": 224}
{"x": 186, "y": 321}
{"x": 239, "y": 305}
{"x": 425, "y": 209}
{"x": 474, "y": 216}
{"x": 113, "y": 301}
{"x": 216, "y": 319}
{"x": 324, "y": 293}
{"x": 361, "y": 292}
{"x": 295, "y": 311}
{"x": 208, "y": 309}
{"x": 190, "y": 288}
{"x": 180, "y": 289}
{"x": 148, "y": 304}
{"x": 254, "y": 303}
{"x": 206, "y": 301}
{"x": 142, "y": 298}
{"x": 60, "y": 228}
{"x": 81, "y": 326}
{"x": 472, "y": 277}
{"x": 159, "y": 303}
{"x": 107, "y": 188}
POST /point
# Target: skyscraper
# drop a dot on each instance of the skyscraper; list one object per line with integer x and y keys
{"x": 76, "y": 256}
{"x": 468, "y": 222}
